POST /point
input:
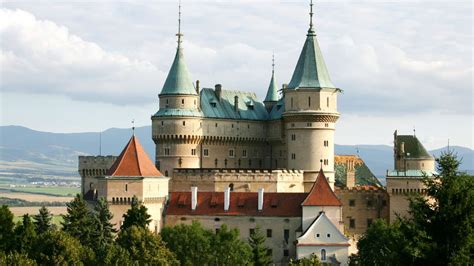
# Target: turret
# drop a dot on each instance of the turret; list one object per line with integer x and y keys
{"x": 178, "y": 118}
{"x": 311, "y": 113}
{"x": 272, "y": 93}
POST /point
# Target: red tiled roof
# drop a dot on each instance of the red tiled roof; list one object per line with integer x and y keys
{"x": 241, "y": 204}
{"x": 321, "y": 193}
{"x": 133, "y": 161}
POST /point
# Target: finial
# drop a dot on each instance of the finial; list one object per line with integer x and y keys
{"x": 414, "y": 131}
{"x": 321, "y": 161}
{"x": 448, "y": 145}
{"x": 179, "y": 34}
{"x": 311, "y": 15}
{"x": 133, "y": 127}
{"x": 273, "y": 62}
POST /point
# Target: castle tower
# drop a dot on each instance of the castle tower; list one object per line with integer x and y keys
{"x": 176, "y": 126}
{"x": 311, "y": 113}
{"x": 272, "y": 93}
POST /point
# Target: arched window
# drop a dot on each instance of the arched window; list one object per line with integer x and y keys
{"x": 323, "y": 254}
{"x": 166, "y": 173}
{"x": 182, "y": 101}
{"x": 231, "y": 186}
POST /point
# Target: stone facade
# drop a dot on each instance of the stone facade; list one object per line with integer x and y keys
{"x": 361, "y": 206}
{"x": 91, "y": 167}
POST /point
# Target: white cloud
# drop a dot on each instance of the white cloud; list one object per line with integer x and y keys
{"x": 40, "y": 56}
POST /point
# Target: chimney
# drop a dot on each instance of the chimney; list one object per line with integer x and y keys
{"x": 260, "y": 199}
{"x": 402, "y": 148}
{"x": 194, "y": 196}
{"x": 236, "y": 103}
{"x": 226, "y": 199}
{"x": 197, "y": 86}
{"x": 218, "y": 91}
{"x": 350, "y": 174}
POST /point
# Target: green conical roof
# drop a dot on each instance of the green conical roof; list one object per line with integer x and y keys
{"x": 310, "y": 71}
{"x": 272, "y": 92}
{"x": 178, "y": 80}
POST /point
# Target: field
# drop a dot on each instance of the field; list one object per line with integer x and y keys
{"x": 34, "y": 197}
{"x": 19, "y": 211}
{"x": 51, "y": 191}
{"x": 57, "y": 219}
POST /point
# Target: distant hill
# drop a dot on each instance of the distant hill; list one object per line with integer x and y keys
{"x": 59, "y": 151}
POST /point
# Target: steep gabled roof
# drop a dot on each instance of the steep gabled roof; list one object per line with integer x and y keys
{"x": 321, "y": 193}
{"x": 133, "y": 161}
{"x": 310, "y": 71}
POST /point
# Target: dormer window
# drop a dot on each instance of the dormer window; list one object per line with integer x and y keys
{"x": 213, "y": 104}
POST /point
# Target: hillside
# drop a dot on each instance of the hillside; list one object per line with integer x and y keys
{"x": 34, "y": 154}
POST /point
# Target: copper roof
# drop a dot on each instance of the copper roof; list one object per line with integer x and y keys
{"x": 133, "y": 161}
{"x": 321, "y": 193}
{"x": 241, "y": 204}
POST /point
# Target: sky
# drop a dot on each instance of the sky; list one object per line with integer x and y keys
{"x": 81, "y": 66}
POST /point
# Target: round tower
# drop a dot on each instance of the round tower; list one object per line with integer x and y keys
{"x": 310, "y": 114}
{"x": 176, "y": 127}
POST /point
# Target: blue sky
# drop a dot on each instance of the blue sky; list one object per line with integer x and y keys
{"x": 74, "y": 66}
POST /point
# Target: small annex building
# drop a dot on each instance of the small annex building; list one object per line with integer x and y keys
{"x": 132, "y": 174}
{"x": 296, "y": 224}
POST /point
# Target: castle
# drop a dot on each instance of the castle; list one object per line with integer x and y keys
{"x": 224, "y": 157}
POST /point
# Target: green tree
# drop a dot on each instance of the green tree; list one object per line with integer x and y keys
{"x": 311, "y": 261}
{"x": 228, "y": 249}
{"x": 190, "y": 243}
{"x": 6, "y": 228}
{"x": 260, "y": 252}
{"x": 25, "y": 235}
{"x": 59, "y": 248}
{"x": 104, "y": 230}
{"x": 79, "y": 222}
{"x": 16, "y": 259}
{"x": 136, "y": 215}
{"x": 42, "y": 220}
{"x": 446, "y": 217}
{"x": 145, "y": 248}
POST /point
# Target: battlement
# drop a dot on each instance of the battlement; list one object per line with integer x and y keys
{"x": 234, "y": 170}
{"x": 95, "y": 165}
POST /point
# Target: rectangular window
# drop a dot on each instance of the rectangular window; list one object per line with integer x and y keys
{"x": 193, "y": 151}
{"x": 369, "y": 222}
{"x": 206, "y": 152}
{"x": 167, "y": 151}
{"x": 293, "y": 156}
{"x": 352, "y": 203}
{"x": 286, "y": 252}
{"x": 231, "y": 153}
{"x": 244, "y": 153}
{"x": 293, "y": 137}
{"x": 352, "y": 223}
{"x": 286, "y": 235}
{"x": 309, "y": 124}
{"x": 269, "y": 232}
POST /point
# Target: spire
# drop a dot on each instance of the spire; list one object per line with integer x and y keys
{"x": 310, "y": 71}
{"x": 272, "y": 92}
{"x": 178, "y": 81}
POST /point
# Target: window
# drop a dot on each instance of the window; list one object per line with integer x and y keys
{"x": 352, "y": 223}
{"x": 215, "y": 162}
{"x": 250, "y": 162}
{"x": 326, "y": 125}
{"x": 252, "y": 231}
{"x": 184, "y": 123}
{"x": 369, "y": 222}
{"x": 286, "y": 235}
{"x": 126, "y": 187}
{"x": 369, "y": 203}
{"x": 216, "y": 124}
{"x": 167, "y": 151}
{"x": 309, "y": 124}
{"x": 286, "y": 252}
{"x": 162, "y": 123}
{"x": 231, "y": 186}
{"x": 217, "y": 219}
{"x": 309, "y": 101}
{"x": 182, "y": 101}
{"x": 193, "y": 151}
{"x": 244, "y": 153}
{"x": 323, "y": 254}
{"x": 291, "y": 102}
{"x": 328, "y": 235}
{"x": 166, "y": 173}
{"x": 317, "y": 235}
{"x": 231, "y": 153}
{"x": 327, "y": 101}
{"x": 206, "y": 152}
{"x": 269, "y": 232}
{"x": 326, "y": 143}
{"x": 352, "y": 202}
{"x": 293, "y": 137}
{"x": 225, "y": 162}
{"x": 326, "y": 161}
{"x": 232, "y": 125}
{"x": 293, "y": 156}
